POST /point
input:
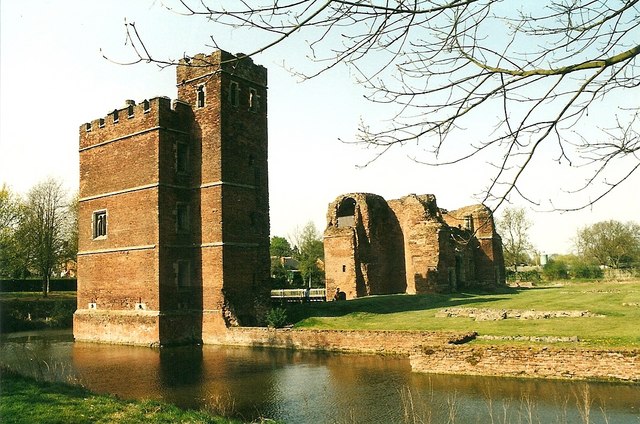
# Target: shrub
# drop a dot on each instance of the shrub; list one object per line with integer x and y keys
{"x": 276, "y": 318}
{"x": 555, "y": 270}
{"x": 585, "y": 270}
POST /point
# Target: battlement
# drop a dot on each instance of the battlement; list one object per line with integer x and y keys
{"x": 240, "y": 65}
{"x": 134, "y": 118}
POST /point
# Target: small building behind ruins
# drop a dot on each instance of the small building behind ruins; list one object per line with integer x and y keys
{"x": 409, "y": 245}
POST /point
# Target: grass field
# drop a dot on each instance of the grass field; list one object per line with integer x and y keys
{"x": 24, "y": 400}
{"x": 618, "y": 302}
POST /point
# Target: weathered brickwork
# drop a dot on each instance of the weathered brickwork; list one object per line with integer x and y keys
{"x": 408, "y": 245}
{"x": 539, "y": 362}
{"x": 448, "y": 352}
{"x": 174, "y": 212}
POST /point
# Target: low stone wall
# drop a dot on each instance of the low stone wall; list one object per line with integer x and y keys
{"x": 447, "y": 353}
{"x": 382, "y": 342}
{"x": 541, "y": 362}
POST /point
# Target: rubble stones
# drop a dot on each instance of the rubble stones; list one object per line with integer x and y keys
{"x": 485, "y": 314}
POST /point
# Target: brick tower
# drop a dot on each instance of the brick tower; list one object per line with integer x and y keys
{"x": 174, "y": 211}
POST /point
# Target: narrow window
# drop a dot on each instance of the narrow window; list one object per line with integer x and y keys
{"x": 182, "y": 158}
{"x": 254, "y": 100}
{"x": 182, "y": 217}
{"x": 145, "y": 106}
{"x": 234, "y": 94}
{"x": 99, "y": 224}
{"x": 200, "y": 95}
{"x": 468, "y": 222}
{"x": 88, "y": 127}
{"x": 101, "y": 123}
{"x": 130, "y": 111}
{"x": 344, "y": 268}
{"x": 183, "y": 274}
{"x": 115, "y": 116}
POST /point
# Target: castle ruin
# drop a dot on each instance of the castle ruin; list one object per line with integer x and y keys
{"x": 409, "y": 245}
{"x": 174, "y": 210}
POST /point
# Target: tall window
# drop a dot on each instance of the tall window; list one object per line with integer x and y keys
{"x": 200, "y": 96}
{"x": 234, "y": 94}
{"x": 182, "y": 217}
{"x": 183, "y": 274}
{"x": 182, "y": 158}
{"x": 99, "y": 224}
{"x": 254, "y": 100}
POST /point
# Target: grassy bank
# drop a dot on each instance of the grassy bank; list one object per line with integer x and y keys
{"x": 24, "y": 400}
{"x": 618, "y": 303}
{"x": 21, "y": 311}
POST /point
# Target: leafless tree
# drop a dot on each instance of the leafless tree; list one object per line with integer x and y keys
{"x": 514, "y": 229}
{"x": 497, "y": 81}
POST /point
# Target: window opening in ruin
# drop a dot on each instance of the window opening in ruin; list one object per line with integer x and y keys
{"x": 346, "y": 213}
{"x": 234, "y": 94}
{"x": 254, "y": 100}
{"x": 115, "y": 116}
{"x": 182, "y": 217}
{"x": 88, "y": 127}
{"x": 99, "y": 224}
{"x": 101, "y": 123}
{"x": 182, "y": 158}
{"x": 344, "y": 268}
{"x": 146, "y": 106}
{"x": 130, "y": 111}
{"x": 468, "y": 222}
{"x": 183, "y": 273}
{"x": 200, "y": 95}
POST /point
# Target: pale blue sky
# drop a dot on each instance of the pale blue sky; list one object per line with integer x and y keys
{"x": 53, "y": 79}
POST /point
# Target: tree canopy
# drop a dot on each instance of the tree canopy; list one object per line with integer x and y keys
{"x": 611, "y": 243}
{"x": 38, "y": 232}
{"x": 501, "y": 82}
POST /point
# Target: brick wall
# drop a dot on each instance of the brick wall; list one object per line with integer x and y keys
{"x": 185, "y": 188}
{"x": 543, "y": 362}
{"x": 408, "y": 245}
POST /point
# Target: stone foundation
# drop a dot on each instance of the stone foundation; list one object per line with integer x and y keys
{"x": 536, "y": 362}
{"x": 447, "y": 353}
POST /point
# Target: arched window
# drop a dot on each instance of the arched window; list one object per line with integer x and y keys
{"x": 200, "y": 95}
{"x": 346, "y": 213}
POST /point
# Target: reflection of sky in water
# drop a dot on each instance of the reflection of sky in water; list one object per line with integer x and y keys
{"x": 309, "y": 387}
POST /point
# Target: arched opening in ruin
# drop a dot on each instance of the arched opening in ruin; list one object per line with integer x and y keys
{"x": 347, "y": 213}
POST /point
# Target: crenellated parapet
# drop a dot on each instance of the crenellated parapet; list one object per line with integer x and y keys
{"x": 203, "y": 66}
{"x": 135, "y": 118}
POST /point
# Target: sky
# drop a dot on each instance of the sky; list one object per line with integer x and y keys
{"x": 54, "y": 77}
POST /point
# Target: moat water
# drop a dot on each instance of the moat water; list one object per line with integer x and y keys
{"x": 311, "y": 387}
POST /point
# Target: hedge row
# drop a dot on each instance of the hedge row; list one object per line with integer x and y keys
{"x": 31, "y": 285}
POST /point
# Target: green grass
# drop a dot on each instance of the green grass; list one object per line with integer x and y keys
{"x": 617, "y": 328}
{"x": 24, "y": 400}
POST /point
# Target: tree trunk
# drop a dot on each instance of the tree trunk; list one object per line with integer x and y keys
{"x": 45, "y": 286}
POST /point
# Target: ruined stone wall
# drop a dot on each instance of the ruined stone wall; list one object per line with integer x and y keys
{"x": 537, "y": 362}
{"x": 365, "y": 241}
{"x": 408, "y": 245}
